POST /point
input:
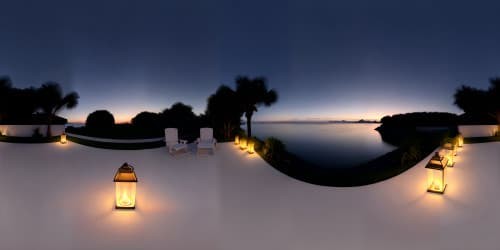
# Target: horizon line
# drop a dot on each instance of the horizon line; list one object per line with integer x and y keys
{"x": 275, "y": 121}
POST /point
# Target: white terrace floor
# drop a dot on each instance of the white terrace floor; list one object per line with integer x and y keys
{"x": 61, "y": 197}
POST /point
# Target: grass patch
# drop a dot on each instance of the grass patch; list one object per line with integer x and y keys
{"x": 117, "y": 146}
{"x": 29, "y": 140}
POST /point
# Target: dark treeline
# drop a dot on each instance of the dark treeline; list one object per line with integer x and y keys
{"x": 34, "y": 105}
{"x": 223, "y": 112}
{"x": 480, "y": 106}
{"x": 101, "y": 123}
{"x": 401, "y": 130}
{"x": 420, "y": 119}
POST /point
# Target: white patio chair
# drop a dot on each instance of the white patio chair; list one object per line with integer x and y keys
{"x": 173, "y": 143}
{"x": 206, "y": 141}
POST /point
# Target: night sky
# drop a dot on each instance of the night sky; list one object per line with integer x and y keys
{"x": 327, "y": 59}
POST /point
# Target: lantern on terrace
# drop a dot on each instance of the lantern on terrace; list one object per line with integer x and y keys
{"x": 460, "y": 140}
{"x": 451, "y": 147}
{"x": 237, "y": 140}
{"x": 63, "y": 138}
{"x": 451, "y": 151}
{"x": 125, "y": 187}
{"x": 436, "y": 174}
{"x": 243, "y": 143}
{"x": 251, "y": 146}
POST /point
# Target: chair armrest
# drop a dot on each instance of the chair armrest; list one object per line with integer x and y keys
{"x": 183, "y": 141}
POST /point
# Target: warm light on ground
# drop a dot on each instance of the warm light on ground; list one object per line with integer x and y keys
{"x": 221, "y": 201}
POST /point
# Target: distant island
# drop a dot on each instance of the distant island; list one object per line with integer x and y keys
{"x": 359, "y": 121}
{"x": 320, "y": 121}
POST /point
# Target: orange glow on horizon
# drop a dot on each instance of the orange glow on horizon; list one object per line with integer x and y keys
{"x": 334, "y": 114}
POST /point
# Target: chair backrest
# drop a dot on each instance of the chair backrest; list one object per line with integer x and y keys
{"x": 171, "y": 135}
{"x": 206, "y": 133}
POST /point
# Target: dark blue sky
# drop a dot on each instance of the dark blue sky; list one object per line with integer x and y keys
{"x": 327, "y": 59}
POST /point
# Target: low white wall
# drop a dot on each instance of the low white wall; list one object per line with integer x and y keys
{"x": 477, "y": 130}
{"x": 116, "y": 140}
{"x": 28, "y": 130}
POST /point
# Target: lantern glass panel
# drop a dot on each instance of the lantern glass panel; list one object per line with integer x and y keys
{"x": 243, "y": 143}
{"x": 436, "y": 180}
{"x": 125, "y": 194}
{"x": 236, "y": 140}
{"x": 460, "y": 141}
{"x": 450, "y": 152}
{"x": 450, "y": 147}
{"x": 450, "y": 159}
{"x": 63, "y": 138}
{"x": 251, "y": 145}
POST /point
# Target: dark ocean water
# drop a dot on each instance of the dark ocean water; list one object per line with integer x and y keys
{"x": 327, "y": 144}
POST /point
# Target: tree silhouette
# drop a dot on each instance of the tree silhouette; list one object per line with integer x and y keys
{"x": 16, "y": 105}
{"x": 22, "y": 104}
{"x": 252, "y": 93}
{"x": 100, "y": 119}
{"x": 476, "y": 101}
{"x": 471, "y": 100}
{"x": 224, "y": 112}
{"x": 5, "y": 90}
{"x": 52, "y": 101}
{"x": 147, "y": 120}
{"x": 494, "y": 97}
{"x": 180, "y": 116}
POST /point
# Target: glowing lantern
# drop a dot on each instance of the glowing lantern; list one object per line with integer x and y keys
{"x": 442, "y": 152}
{"x": 237, "y": 140}
{"x": 460, "y": 141}
{"x": 251, "y": 146}
{"x": 243, "y": 143}
{"x": 125, "y": 187}
{"x": 451, "y": 151}
{"x": 451, "y": 147}
{"x": 436, "y": 170}
{"x": 63, "y": 138}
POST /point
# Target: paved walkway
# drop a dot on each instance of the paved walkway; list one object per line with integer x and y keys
{"x": 57, "y": 196}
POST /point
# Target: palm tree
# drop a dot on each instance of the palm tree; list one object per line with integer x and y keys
{"x": 252, "y": 93}
{"x": 477, "y": 101}
{"x": 224, "y": 112}
{"x": 52, "y": 101}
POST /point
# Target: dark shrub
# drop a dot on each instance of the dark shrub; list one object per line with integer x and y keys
{"x": 147, "y": 120}
{"x": 412, "y": 156}
{"x": 100, "y": 119}
{"x": 182, "y": 117}
{"x": 273, "y": 149}
{"x": 420, "y": 119}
